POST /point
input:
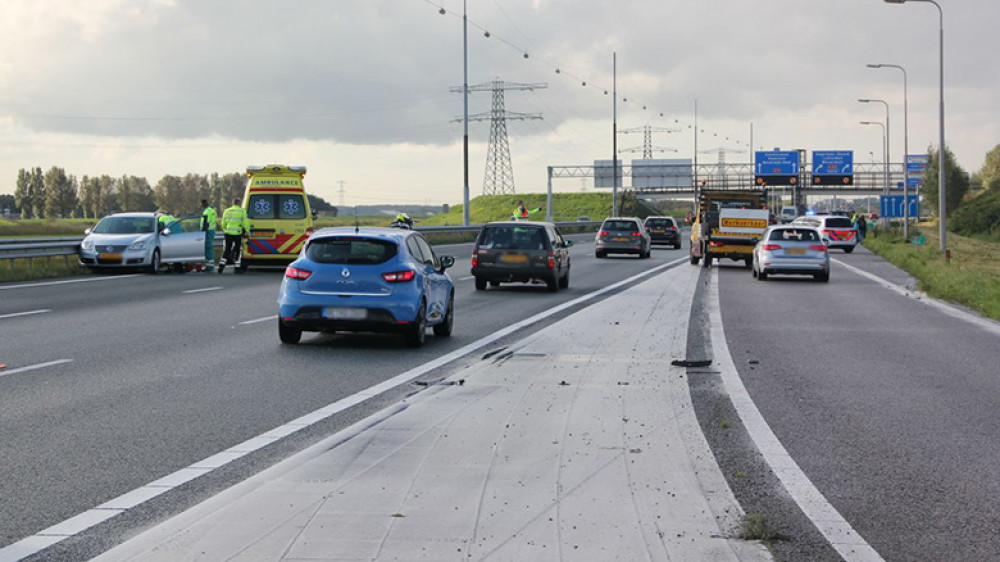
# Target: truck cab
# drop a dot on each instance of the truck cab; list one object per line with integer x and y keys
{"x": 728, "y": 224}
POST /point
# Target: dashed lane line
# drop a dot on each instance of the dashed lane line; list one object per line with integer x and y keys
{"x": 203, "y": 290}
{"x": 258, "y": 320}
{"x": 34, "y": 367}
{"x": 68, "y": 281}
{"x": 27, "y": 313}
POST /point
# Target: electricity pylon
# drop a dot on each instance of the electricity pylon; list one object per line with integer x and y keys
{"x": 499, "y": 178}
{"x": 647, "y": 140}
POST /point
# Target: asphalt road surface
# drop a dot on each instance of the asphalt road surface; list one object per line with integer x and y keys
{"x": 114, "y": 381}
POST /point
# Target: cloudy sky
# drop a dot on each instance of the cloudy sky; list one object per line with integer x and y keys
{"x": 358, "y": 90}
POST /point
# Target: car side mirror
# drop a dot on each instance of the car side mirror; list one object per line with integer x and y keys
{"x": 87, "y": 232}
{"x": 313, "y": 213}
{"x": 446, "y": 262}
{"x": 165, "y": 232}
{"x": 567, "y": 243}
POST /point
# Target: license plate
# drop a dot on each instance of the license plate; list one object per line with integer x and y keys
{"x": 658, "y": 231}
{"x": 345, "y": 313}
{"x": 110, "y": 256}
{"x": 262, "y": 233}
{"x": 620, "y": 239}
{"x": 795, "y": 251}
{"x": 514, "y": 258}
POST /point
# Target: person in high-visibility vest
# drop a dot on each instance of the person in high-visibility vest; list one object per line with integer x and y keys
{"x": 209, "y": 221}
{"x": 164, "y": 219}
{"x": 235, "y": 225}
{"x": 522, "y": 213}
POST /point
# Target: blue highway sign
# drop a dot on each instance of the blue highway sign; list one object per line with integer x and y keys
{"x": 776, "y": 167}
{"x": 833, "y": 167}
{"x": 891, "y": 206}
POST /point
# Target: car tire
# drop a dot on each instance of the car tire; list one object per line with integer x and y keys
{"x": 677, "y": 246}
{"x": 599, "y": 255}
{"x": 564, "y": 282}
{"x": 761, "y": 276}
{"x": 154, "y": 262}
{"x": 480, "y": 284}
{"x": 416, "y": 333}
{"x": 443, "y": 330}
{"x": 494, "y": 283}
{"x": 822, "y": 277}
{"x": 848, "y": 249}
{"x": 694, "y": 259}
{"x": 287, "y": 334}
{"x": 748, "y": 263}
{"x": 553, "y": 284}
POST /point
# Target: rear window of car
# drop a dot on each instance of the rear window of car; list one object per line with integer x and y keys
{"x": 274, "y": 206}
{"x": 659, "y": 223}
{"x": 838, "y": 222}
{"x": 620, "y": 225}
{"x": 794, "y": 235}
{"x": 351, "y": 250}
{"x": 512, "y": 238}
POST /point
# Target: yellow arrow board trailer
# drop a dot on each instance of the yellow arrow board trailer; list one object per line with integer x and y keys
{"x": 728, "y": 224}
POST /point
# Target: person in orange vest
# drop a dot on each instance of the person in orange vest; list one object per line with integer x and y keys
{"x": 522, "y": 213}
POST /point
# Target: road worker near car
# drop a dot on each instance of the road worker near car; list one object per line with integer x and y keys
{"x": 235, "y": 225}
{"x": 163, "y": 220}
{"x": 403, "y": 218}
{"x": 209, "y": 222}
{"x": 522, "y": 213}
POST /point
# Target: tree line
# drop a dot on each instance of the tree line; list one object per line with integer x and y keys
{"x": 56, "y": 194}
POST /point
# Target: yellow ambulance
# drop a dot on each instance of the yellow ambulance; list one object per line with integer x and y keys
{"x": 280, "y": 217}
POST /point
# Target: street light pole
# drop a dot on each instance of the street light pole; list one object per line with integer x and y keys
{"x": 885, "y": 155}
{"x": 942, "y": 202}
{"x": 906, "y": 149}
{"x": 885, "y": 221}
{"x": 465, "y": 118}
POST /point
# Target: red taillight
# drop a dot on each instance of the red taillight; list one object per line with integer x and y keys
{"x": 602, "y": 233}
{"x": 771, "y": 247}
{"x": 552, "y": 260}
{"x": 819, "y": 247}
{"x": 309, "y": 231}
{"x": 715, "y": 244}
{"x": 399, "y": 276}
{"x": 671, "y": 228}
{"x": 475, "y": 260}
{"x": 636, "y": 234}
{"x": 296, "y": 273}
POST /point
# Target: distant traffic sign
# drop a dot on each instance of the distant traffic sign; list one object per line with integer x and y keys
{"x": 916, "y": 163}
{"x": 833, "y": 167}
{"x": 776, "y": 167}
{"x": 891, "y": 206}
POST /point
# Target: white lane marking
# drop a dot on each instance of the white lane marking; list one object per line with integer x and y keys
{"x": 466, "y": 278}
{"x": 28, "y": 313}
{"x": 837, "y": 531}
{"x": 33, "y": 368}
{"x": 256, "y": 320}
{"x": 948, "y": 309}
{"x": 192, "y": 291}
{"x": 67, "y": 281}
{"x": 44, "y": 539}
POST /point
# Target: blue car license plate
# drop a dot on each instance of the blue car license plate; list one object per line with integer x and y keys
{"x": 345, "y": 313}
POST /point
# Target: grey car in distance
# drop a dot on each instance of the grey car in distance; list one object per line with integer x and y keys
{"x": 793, "y": 250}
{"x": 622, "y": 235}
{"x": 133, "y": 240}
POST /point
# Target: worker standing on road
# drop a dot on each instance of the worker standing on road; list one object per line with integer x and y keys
{"x": 235, "y": 225}
{"x": 209, "y": 221}
{"x": 522, "y": 213}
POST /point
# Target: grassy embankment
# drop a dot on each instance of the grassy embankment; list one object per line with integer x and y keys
{"x": 972, "y": 279}
{"x": 42, "y": 268}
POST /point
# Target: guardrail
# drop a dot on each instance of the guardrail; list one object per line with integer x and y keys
{"x": 30, "y": 248}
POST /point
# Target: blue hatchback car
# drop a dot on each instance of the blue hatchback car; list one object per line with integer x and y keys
{"x": 367, "y": 280}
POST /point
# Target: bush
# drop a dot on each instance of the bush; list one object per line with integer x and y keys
{"x": 978, "y": 217}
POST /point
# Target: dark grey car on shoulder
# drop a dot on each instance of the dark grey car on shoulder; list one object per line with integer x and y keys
{"x": 521, "y": 252}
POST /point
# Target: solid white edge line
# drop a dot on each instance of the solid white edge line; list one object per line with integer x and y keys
{"x": 67, "y": 281}
{"x": 28, "y": 313}
{"x": 33, "y": 368}
{"x": 944, "y": 307}
{"x": 44, "y": 539}
{"x": 191, "y": 291}
{"x": 257, "y": 320}
{"x": 837, "y": 531}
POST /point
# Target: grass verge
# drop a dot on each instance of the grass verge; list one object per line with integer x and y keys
{"x": 24, "y": 269}
{"x": 971, "y": 278}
